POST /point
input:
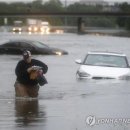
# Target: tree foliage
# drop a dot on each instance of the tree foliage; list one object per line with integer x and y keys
{"x": 84, "y": 8}
{"x": 124, "y": 21}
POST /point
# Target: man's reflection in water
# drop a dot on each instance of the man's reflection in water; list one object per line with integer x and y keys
{"x": 27, "y": 111}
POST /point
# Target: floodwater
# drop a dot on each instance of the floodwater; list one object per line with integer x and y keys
{"x": 66, "y": 103}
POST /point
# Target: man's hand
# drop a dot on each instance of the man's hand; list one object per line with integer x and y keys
{"x": 32, "y": 68}
{"x": 29, "y": 69}
{"x": 34, "y": 71}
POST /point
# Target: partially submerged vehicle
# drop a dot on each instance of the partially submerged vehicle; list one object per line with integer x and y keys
{"x": 103, "y": 65}
{"x": 36, "y": 47}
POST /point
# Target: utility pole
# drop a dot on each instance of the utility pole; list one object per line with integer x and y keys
{"x": 5, "y": 21}
{"x": 5, "y": 24}
{"x": 65, "y": 10}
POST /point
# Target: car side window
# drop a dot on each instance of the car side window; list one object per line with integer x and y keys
{"x": 7, "y": 45}
{"x": 11, "y": 44}
{"x": 25, "y": 45}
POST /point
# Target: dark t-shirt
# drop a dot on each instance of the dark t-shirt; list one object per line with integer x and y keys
{"x": 22, "y": 74}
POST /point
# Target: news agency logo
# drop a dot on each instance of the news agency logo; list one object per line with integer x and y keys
{"x": 92, "y": 120}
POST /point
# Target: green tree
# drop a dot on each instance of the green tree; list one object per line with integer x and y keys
{"x": 53, "y": 6}
{"x": 77, "y": 7}
{"x": 124, "y": 21}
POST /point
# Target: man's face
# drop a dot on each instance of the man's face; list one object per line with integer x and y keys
{"x": 28, "y": 60}
{"x": 27, "y": 56}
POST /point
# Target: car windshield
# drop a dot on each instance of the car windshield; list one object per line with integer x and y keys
{"x": 106, "y": 60}
{"x": 39, "y": 44}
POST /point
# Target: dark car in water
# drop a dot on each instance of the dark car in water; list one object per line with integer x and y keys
{"x": 36, "y": 47}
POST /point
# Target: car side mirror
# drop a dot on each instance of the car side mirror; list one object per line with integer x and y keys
{"x": 78, "y": 61}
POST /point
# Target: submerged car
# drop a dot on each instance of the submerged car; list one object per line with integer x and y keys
{"x": 104, "y": 65}
{"x": 36, "y": 47}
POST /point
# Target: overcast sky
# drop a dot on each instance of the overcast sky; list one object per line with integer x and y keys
{"x": 61, "y": 0}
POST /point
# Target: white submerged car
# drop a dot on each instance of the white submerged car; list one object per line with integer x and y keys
{"x": 104, "y": 65}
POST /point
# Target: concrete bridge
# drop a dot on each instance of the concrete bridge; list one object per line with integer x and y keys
{"x": 65, "y": 14}
{"x": 79, "y": 15}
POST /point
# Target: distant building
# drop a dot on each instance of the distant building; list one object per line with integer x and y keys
{"x": 94, "y": 2}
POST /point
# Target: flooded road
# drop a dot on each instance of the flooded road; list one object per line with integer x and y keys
{"x": 66, "y": 103}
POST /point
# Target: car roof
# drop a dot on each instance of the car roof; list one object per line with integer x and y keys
{"x": 107, "y": 53}
{"x": 20, "y": 40}
{"x": 24, "y": 40}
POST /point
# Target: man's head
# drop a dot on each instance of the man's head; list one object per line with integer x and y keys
{"x": 27, "y": 56}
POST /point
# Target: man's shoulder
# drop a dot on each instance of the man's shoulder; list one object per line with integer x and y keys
{"x": 35, "y": 60}
{"x": 21, "y": 61}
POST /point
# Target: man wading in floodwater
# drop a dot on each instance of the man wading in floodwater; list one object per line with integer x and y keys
{"x": 29, "y": 74}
